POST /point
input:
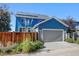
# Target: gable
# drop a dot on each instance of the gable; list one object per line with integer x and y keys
{"x": 52, "y": 24}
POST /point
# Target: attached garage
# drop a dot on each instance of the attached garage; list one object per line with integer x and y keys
{"x": 52, "y": 30}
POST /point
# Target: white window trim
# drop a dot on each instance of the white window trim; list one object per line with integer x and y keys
{"x": 23, "y": 27}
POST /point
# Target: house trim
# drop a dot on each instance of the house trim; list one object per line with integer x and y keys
{"x": 31, "y": 15}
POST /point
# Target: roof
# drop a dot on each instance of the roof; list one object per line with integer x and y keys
{"x": 76, "y": 23}
{"x": 31, "y": 15}
{"x": 50, "y": 19}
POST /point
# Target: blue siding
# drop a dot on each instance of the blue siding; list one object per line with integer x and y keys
{"x": 18, "y": 25}
{"x": 35, "y": 21}
{"x": 30, "y": 22}
{"x": 52, "y": 24}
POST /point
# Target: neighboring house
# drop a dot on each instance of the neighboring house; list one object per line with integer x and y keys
{"x": 76, "y": 25}
{"x": 52, "y": 29}
{"x": 25, "y": 21}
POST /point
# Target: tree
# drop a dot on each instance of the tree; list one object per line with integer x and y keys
{"x": 70, "y": 22}
{"x": 4, "y": 19}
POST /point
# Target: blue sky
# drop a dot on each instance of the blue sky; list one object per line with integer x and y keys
{"x": 61, "y": 10}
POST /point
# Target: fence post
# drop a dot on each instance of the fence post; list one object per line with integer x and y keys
{"x": 32, "y": 36}
{"x": 73, "y": 36}
{"x": 24, "y": 36}
{"x": 35, "y": 36}
{"x": 13, "y": 36}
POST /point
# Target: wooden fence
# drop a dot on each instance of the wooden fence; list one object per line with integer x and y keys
{"x": 12, "y": 37}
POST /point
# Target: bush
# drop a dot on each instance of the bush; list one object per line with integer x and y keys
{"x": 17, "y": 49}
{"x": 39, "y": 44}
{"x": 26, "y": 46}
{"x": 8, "y": 49}
{"x": 70, "y": 40}
{"x": 36, "y": 45}
{"x": 77, "y": 41}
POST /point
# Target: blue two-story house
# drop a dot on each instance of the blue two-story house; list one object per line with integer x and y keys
{"x": 49, "y": 29}
{"x": 25, "y": 21}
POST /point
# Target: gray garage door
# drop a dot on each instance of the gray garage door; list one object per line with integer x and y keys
{"x": 52, "y": 35}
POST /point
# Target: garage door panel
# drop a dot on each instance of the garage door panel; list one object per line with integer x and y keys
{"x": 52, "y": 35}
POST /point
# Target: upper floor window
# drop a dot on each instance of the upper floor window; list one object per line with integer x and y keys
{"x": 26, "y": 21}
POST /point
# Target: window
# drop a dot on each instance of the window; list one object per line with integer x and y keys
{"x": 26, "y": 21}
{"x": 23, "y": 29}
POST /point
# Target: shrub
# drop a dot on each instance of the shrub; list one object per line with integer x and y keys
{"x": 39, "y": 44}
{"x": 17, "y": 49}
{"x": 7, "y": 49}
{"x": 36, "y": 45}
{"x": 32, "y": 46}
{"x": 28, "y": 45}
{"x": 25, "y": 46}
{"x": 70, "y": 40}
{"x": 77, "y": 41}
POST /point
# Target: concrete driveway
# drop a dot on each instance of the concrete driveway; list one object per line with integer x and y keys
{"x": 56, "y": 49}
